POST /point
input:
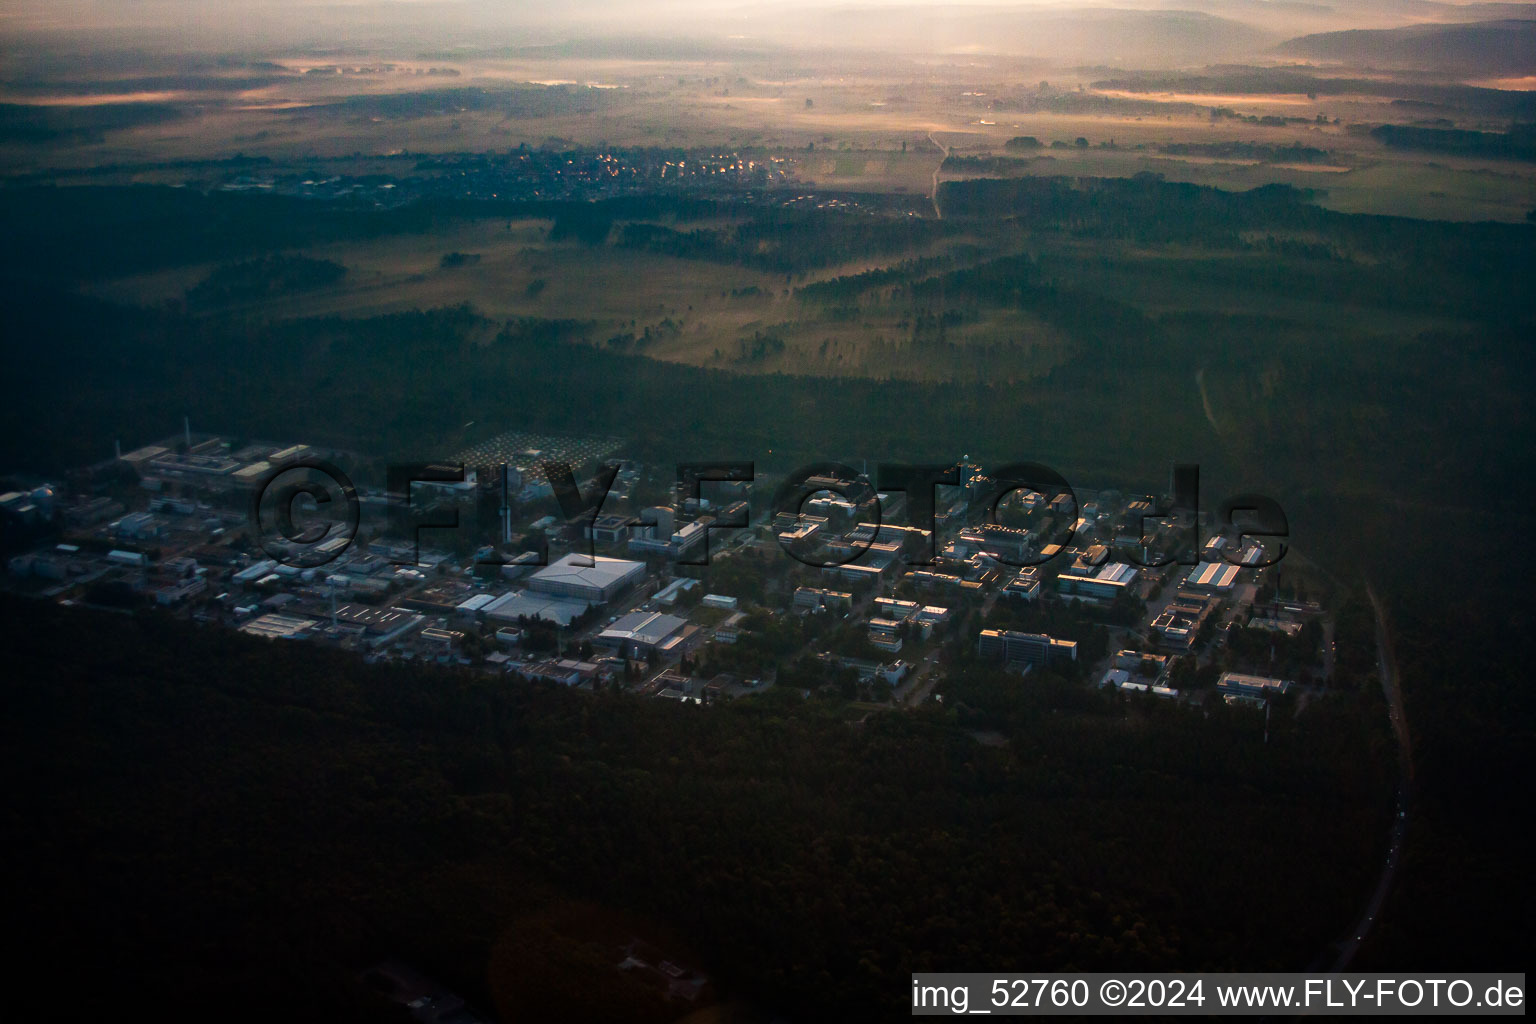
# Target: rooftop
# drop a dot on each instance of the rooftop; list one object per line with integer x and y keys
{"x": 649, "y": 628}
{"x": 589, "y": 571}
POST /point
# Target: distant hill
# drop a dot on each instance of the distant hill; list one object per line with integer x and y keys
{"x": 1505, "y": 47}
{"x": 1136, "y": 38}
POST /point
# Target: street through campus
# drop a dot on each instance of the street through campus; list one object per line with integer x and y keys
{"x": 1391, "y": 688}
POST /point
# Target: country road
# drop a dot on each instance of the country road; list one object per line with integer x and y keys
{"x": 934, "y": 193}
{"x": 1205, "y": 400}
{"x": 1392, "y": 688}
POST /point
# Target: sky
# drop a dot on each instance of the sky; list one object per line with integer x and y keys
{"x": 393, "y": 24}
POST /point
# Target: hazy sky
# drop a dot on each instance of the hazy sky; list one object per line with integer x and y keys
{"x": 390, "y": 24}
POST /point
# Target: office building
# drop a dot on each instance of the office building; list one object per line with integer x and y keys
{"x": 1010, "y": 646}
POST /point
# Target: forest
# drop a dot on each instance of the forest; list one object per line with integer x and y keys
{"x": 265, "y": 831}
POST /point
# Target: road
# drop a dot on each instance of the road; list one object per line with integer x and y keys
{"x": 1391, "y": 687}
{"x": 1205, "y": 400}
{"x": 916, "y": 689}
{"x": 924, "y": 676}
{"x": 934, "y": 194}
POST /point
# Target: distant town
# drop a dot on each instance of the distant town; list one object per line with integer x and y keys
{"x": 871, "y": 618}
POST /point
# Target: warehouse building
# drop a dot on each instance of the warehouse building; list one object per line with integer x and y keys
{"x": 525, "y": 604}
{"x": 593, "y": 579}
{"x": 640, "y": 633}
{"x": 1212, "y": 577}
{"x": 1105, "y": 583}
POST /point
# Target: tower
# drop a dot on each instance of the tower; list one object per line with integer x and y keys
{"x": 506, "y": 505}
{"x": 661, "y": 516}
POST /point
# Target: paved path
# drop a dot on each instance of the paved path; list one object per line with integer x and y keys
{"x": 1392, "y": 688}
{"x": 934, "y": 194}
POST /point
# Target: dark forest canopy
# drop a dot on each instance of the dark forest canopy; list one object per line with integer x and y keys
{"x": 262, "y": 278}
{"x": 254, "y": 810}
{"x": 1305, "y": 81}
{"x": 1519, "y": 143}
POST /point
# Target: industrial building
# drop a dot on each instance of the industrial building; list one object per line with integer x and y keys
{"x": 640, "y": 633}
{"x": 1211, "y": 577}
{"x": 382, "y": 625}
{"x": 593, "y": 579}
{"x": 1105, "y": 583}
{"x": 526, "y": 604}
{"x": 278, "y": 627}
{"x": 1237, "y": 684}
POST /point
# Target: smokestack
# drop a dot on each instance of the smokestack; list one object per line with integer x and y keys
{"x": 506, "y": 505}
{"x": 118, "y": 446}
{"x": 186, "y": 422}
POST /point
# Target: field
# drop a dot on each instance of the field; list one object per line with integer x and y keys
{"x": 867, "y": 131}
{"x": 875, "y": 116}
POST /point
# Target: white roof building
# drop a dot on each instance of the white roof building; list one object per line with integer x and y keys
{"x": 595, "y": 579}
{"x": 525, "y": 604}
{"x": 642, "y": 632}
{"x": 1212, "y": 576}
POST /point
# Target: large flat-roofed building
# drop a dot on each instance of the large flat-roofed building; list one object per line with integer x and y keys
{"x": 812, "y": 598}
{"x": 640, "y": 633}
{"x": 801, "y": 529}
{"x": 611, "y": 529}
{"x": 1238, "y": 684}
{"x": 1025, "y": 586}
{"x": 900, "y": 611}
{"x": 382, "y": 625}
{"x": 203, "y": 461}
{"x": 594, "y": 579}
{"x": 139, "y": 457}
{"x": 511, "y": 607}
{"x": 1212, "y": 577}
{"x": 659, "y": 540}
{"x": 729, "y": 631}
{"x": 250, "y": 476}
{"x": 1133, "y": 670}
{"x": 996, "y": 540}
{"x": 278, "y": 627}
{"x": 1105, "y": 583}
{"x": 928, "y": 578}
{"x": 1029, "y": 648}
{"x": 669, "y": 594}
{"x": 440, "y": 597}
{"x": 1178, "y": 625}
